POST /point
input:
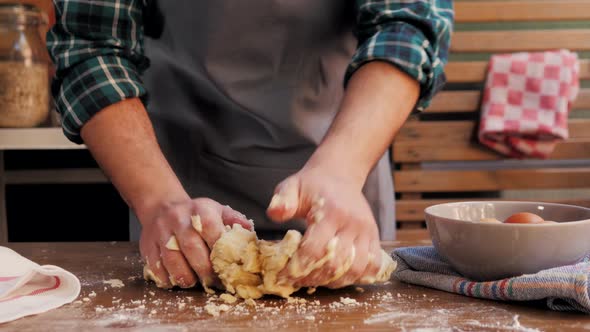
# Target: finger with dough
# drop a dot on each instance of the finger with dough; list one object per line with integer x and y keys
{"x": 196, "y": 253}
{"x": 357, "y": 268}
{"x": 153, "y": 269}
{"x": 342, "y": 256}
{"x": 179, "y": 271}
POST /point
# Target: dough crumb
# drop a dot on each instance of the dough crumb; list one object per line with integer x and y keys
{"x": 310, "y": 317}
{"x": 172, "y": 244}
{"x": 228, "y": 298}
{"x": 86, "y": 299}
{"x": 359, "y": 289}
{"x": 115, "y": 283}
{"x": 296, "y": 300}
{"x": 348, "y": 301}
{"x": 311, "y": 290}
{"x": 214, "y": 309}
{"x": 197, "y": 224}
{"x": 92, "y": 294}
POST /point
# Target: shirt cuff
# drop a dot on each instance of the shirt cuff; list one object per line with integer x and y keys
{"x": 92, "y": 85}
{"x": 407, "y": 48}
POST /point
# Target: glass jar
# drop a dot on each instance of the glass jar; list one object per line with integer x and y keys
{"x": 24, "y": 65}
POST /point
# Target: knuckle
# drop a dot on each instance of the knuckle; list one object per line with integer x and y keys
{"x": 203, "y": 202}
{"x": 160, "y": 225}
{"x": 174, "y": 216}
{"x": 331, "y": 269}
{"x": 192, "y": 245}
{"x": 355, "y": 272}
{"x": 168, "y": 208}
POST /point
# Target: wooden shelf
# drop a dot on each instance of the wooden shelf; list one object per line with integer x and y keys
{"x": 35, "y": 139}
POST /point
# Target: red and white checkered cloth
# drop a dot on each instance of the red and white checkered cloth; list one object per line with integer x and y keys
{"x": 526, "y": 101}
{"x": 26, "y": 288}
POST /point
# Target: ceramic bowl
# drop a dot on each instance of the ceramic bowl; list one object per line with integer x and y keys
{"x": 490, "y": 251}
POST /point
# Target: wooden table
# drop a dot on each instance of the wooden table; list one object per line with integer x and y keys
{"x": 141, "y": 306}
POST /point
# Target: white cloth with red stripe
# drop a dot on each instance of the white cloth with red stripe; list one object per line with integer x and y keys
{"x": 27, "y": 288}
{"x": 526, "y": 101}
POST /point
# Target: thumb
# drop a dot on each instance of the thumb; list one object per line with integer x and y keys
{"x": 287, "y": 202}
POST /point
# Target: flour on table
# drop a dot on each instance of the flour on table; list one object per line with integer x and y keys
{"x": 228, "y": 298}
{"x": 214, "y": 309}
{"x": 115, "y": 283}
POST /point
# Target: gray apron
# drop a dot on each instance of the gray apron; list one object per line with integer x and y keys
{"x": 241, "y": 93}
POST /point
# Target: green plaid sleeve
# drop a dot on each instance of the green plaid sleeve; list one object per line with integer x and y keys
{"x": 413, "y": 35}
{"x": 97, "y": 47}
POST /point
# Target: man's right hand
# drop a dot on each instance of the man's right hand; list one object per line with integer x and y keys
{"x": 123, "y": 142}
{"x": 194, "y": 225}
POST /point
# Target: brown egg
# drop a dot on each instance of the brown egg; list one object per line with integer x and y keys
{"x": 524, "y": 218}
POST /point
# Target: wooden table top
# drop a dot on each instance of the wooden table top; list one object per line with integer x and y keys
{"x": 139, "y": 306}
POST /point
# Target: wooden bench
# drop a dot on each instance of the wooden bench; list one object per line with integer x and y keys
{"x": 436, "y": 157}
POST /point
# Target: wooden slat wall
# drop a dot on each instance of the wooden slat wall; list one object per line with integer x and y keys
{"x": 491, "y": 180}
{"x": 475, "y": 71}
{"x": 454, "y": 141}
{"x": 432, "y": 140}
{"x": 472, "y": 151}
{"x": 456, "y": 131}
{"x": 518, "y": 41}
{"x": 468, "y": 101}
{"x": 514, "y": 11}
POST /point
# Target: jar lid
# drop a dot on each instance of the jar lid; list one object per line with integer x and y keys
{"x": 19, "y": 14}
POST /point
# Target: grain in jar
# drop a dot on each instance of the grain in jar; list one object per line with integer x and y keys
{"x": 24, "y": 83}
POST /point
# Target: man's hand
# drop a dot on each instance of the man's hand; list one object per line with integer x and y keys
{"x": 341, "y": 244}
{"x": 122, "y": 140}
{"x": 177, "y": 237}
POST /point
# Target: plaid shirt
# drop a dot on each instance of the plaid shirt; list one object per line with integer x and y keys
{"x": 97, "y": 47}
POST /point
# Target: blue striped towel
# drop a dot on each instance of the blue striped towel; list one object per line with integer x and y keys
{"x": 565, "y": 288}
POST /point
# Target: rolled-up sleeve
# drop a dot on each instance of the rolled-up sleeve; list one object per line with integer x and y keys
{"x": 413, "y": 35}
{"x": 97, "y": 47}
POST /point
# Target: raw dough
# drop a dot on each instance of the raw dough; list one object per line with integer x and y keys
{"x": 172, "y": 244}
{"x": 235, "y": 259}
{"x": 274, "y": 257}
{"x": 249, "y": 267}
{"x": 196, "y": 222}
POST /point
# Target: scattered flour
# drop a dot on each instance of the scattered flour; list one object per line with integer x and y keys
{"x": 515, "y": 326}
{"x": 215, "y": 309}
{"x": 115, "y": 283}
{"x": 228, "y": 298}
